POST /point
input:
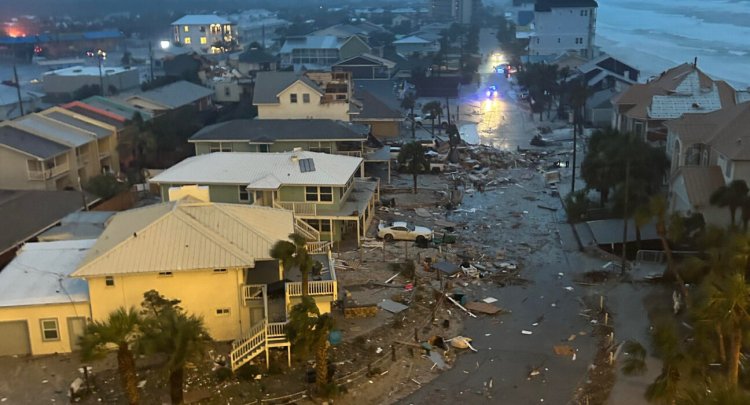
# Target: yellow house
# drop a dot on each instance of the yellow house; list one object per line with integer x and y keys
{"x": 42, "y": 310}
{"x": 215, "y": 259}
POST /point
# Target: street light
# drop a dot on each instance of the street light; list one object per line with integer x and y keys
{"x": 164, "y": 44}
{"x": 100, "y": 57}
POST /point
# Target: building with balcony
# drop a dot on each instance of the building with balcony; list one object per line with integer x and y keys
{"x": 320, "y": 51}
{"x": 205, "y": 33}
{"x": 316, "y": 95}
{"x": 563, "y": 25}
{"x": 228, "y": 277}
{"x": 321, "y": 189}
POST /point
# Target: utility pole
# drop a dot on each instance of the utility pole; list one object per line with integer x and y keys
{"x": 448, "y": 109}
{"x": 151, "y": 60}
{"x": 18, "y": 89}
{"x": 625, "y": 219}
{"x": 575, "y": 147}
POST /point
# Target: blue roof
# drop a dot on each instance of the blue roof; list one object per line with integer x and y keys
{"x": 525, "y": 17}
{"x": 65, "y": 37}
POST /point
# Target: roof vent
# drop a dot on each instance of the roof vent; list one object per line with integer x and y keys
{"x": 697, "y": 106}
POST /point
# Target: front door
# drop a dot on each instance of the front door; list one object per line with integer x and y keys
{"x": 76, "y": 329}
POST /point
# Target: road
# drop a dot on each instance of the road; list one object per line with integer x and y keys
{"x": 499, "y": 372}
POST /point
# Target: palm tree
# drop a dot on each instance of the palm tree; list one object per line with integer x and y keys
{"x": 666, "y": 389}
{"x": 412, "y": 154}
{"x": 292, "y": 254}
{"x": 308, "y": 331}
{"x": 408, "y": 103}
{"x": 732, "y": 196}
{"x": 122, "y": 328}
{"x": 433, "y": 109}
{"x": 181, "y": 337}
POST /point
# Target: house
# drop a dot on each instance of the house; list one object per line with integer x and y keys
{"x": 321, "y": 189}
{"x": 63, "y": 83}
{"x": 255, "y": 60}
{"x": 258, "y": 25}
{"x": 644, "y": 108}
{"x": 276, "y": 135}
{"x": 77, "y": 226}
{"x": 117, "y": 107}
{"x": 384, "y": 120}
{"x": 563, "y": 25}
{"x": 24, "y": 214}
{"x": 366, "y": 66}
{"x": 707, "y": 151}
{"x": 9, "y": 107}
{"x": 55, "y": 150}
{"x": 42, "y": 309}
{"x": 604, "y": 77}
{"x": 460, "y": 11}
{"x": 171, "y": 97}
{"x": 205, "y": 33}
{"x": 320, "y": 51}
{"x": 363, "y": 29}
{"x": 318, "y": 95}
{"x": 415, "y": 44}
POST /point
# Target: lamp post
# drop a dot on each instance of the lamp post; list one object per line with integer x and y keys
{"x": 100, "y": 57}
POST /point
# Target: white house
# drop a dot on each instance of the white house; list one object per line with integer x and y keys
{"x": 205, "y": 33}
{"x": 563, "y": 25}
{"x": 416, "y": 44}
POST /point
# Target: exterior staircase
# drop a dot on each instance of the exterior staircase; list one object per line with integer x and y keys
{"x": 261, "y": 336}
{"x": 303, "y": 228}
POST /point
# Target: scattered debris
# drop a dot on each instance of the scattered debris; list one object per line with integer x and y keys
{"x": 483, "y": 307}
{"x": 461, "y": 342}
{"x": 563, "y": 350}
{"x": 526, "y": 332}
{"x": 489, "y": 300}
{"x": 392, "y": 306}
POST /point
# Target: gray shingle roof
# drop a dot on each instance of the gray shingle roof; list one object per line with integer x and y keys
{"x": 269, "y": 84}
{"x": 373, "y": 108}
{"x": 177, "y": 94}
{"x": 280, "y": 130}
{"x": 29, "y": 143}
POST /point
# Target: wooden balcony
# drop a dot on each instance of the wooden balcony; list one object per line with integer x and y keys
{"x": 276, "y": 329}
{"x": 253, "y": 292}
{"x": 299, "y": 208}
{"x": 354, "y": 153}
{"x": 318, "y": 247}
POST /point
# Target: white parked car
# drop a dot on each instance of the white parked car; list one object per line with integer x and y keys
{"x": 403, "y": 231}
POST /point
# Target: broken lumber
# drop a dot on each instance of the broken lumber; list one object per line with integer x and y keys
{"x": 460, "y": 306}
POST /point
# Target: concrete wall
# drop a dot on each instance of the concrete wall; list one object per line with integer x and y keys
{"x": 202, "y": 292}
{"x": 301, "y": 110}
{"x": 33, "y": 314}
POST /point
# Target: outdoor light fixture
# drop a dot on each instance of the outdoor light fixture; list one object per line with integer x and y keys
{"x": 164, "y": 44}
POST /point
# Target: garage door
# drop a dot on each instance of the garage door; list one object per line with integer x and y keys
{"x": 14, "y": 338}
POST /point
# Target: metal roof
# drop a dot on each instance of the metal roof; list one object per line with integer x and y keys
{"x": 29, "y": 143}
{"x": 38, "y": 275}
{"x": 184, "y": 236}
{"x": 269, "y": 84}
{"x": 175, "y": 95}
{"x": 100, "y": 132}
{"x": 271, "y": 130}
{"x": 52, "y": 129}
{"x": 201, "y": 19}
{"x": 270, "y": 169}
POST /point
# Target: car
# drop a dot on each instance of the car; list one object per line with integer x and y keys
{"x": 400, "y": 230}
{"x": 492, "y": 91}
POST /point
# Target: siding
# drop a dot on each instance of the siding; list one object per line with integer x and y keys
{"x": 34, "y": 313}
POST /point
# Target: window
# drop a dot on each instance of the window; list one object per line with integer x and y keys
{"x": 306, "y": 98}
{"x": 222, "y": 311}
{"x": 265, "y": 148}
{"x": 579, "y": 41}
{"x": 203, "y": 29}
{"x": 584, "y": 13}
{"x": 109, "y": 281}
{"x": 187, "y": 40}
{"x": 321, "y": 150}
{"x": 311, "y": 194}
{"x": 204, "y": 41}
{"x": 220, "y": 271}
{"x": 186, "y": 28}
{"x": 558, "y": 40}
{"x": 326, "y": 194}
{"x": 537, "y": 40}
{"x": 165, "y": 274}
{"x": 322, "y": 225}
{"x": 293, "y": 98}
{"x": 227, "y": 91}
{"x": 219, "y": 148}
{"x": 318, "y": 194}
{"x": 243, "y": 194}
{"x": 50, "y": 329}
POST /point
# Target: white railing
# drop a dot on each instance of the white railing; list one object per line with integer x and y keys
{"x": 244, "y": 348}
{"x": 252, "y": 292}
{"x": 318, "y": 247}
{"x": 299, "y": 208}
{"x": 304, "y": 229}
{"x": 276, "y": 329}
{"x": 326, "y": 287}
{"x": 355, "y": 153}
{"x": 48, "y": 173}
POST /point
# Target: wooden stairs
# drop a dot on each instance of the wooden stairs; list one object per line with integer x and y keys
{"x": 261, "y": 337}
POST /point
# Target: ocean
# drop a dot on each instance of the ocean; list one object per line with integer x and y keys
{"x": 653, "y": 35}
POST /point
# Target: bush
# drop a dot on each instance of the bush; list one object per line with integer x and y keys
{"x": 247, "y": 372}
{"x": 224, "y": 373}
{"x": 577, "y": 205}
{"x": 105, "y": 186}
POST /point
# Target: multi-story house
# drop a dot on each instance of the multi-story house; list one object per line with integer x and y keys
{"x": 55, "y": 150}
{"x": 224, "y": 278}
{"x": 206, "y": 33}
{"x": 321, "y": 189}
{"x": 563, "y": 25}
{"x": 644, "y": 108}
{"x": 273, "y": 135}
{"x": 320, "y": 51}
{"x": 707, "y": 151}
{"x": 310, "y": 95}
{"x": 171, "y": 97}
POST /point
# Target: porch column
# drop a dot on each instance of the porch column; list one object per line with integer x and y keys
{"x": 330, "y": 226}
{"x": 358, "y": 236}
{"x": 389, "y": 171}
{"x": 265, "y": 301}
{"x": 362, "y": 169}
